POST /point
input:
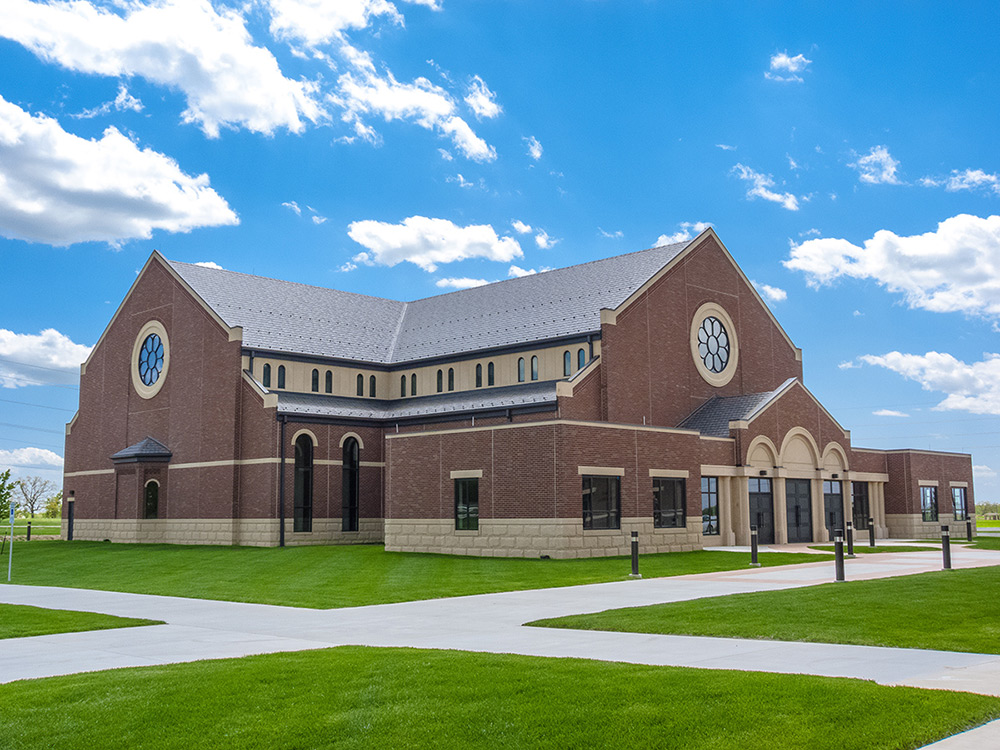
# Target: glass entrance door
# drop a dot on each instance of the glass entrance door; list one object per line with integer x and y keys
{"x": 762, "y": 509}
{"x": 798, "y": 503}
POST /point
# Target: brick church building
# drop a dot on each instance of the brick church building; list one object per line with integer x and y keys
{"x": 546, "y": 415}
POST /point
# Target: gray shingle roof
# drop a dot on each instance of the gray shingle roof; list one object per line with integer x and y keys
{"x": 146, "y": 449}
{"x": 713, "y": 417}
{"x": 485, "y": 399}
{"x": 301, "y": 319}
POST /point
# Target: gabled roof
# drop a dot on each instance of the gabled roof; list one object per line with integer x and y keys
{"x": 146, "y": 449}
{"x": 713, "y": 417}
{"x": 296, "y": 318}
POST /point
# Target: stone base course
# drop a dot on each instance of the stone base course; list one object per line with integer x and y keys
{"x": 913, "y": 526}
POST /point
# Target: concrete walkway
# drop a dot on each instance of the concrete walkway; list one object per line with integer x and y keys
{"x": 203, "y": 629}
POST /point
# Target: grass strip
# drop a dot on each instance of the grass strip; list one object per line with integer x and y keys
{"x": 20, "y": 621}
{"x": 335, "y": 576}
{"x": 354, "y": 697}
{"x": 947, "y": 610}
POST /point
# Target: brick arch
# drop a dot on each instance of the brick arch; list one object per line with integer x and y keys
{"x": 356, "y": 436}
{"x": 835, "y": 458}
{"x": 310, "y": 433}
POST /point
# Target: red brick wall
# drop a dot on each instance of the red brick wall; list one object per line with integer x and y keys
{"x": 908, "y": 468}
{"x": 794, "y": 408}
{"x": 585, "y": 402}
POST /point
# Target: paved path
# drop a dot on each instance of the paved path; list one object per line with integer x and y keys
{"x": 203, "y": 629}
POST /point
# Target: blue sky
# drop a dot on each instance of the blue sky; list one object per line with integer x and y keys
{"x": 846, "y": 155}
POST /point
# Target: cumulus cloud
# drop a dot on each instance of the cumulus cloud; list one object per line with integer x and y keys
{"x": 461, "y": 283}
{"x": 481, "y": 100}
{"x": 29, "y": 458}
{"x": 520, "y": 227}
{"x": 968, "y": 387}
{"x": 58, "y": 188}
{"x": 516, "y": 272}
{"x": 786, "y": 69}
{"x": 46, "y": 358}
{"x": 427, "y": 242}
{"x": 772, "y": 293}
{"x": 760, "y": 187}
{"x": 982, "y": 471}
{"x": 186, "y": 45}
{"x": 952, "y": 269}
{"x": 534, "y": 147}
{"x": 688, "y": 229}
{"x": 889, "y": 413}
{"x": 969, "y": 179}
{"x": 123, "y": 102}
{"x": 210, "y": 264}
{"x": 543, "y": 240}
{"x": 315, "y": 22}
{"x": 877, "y": 167}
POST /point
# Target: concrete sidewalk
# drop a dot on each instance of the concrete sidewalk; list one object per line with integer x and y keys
{"x": 203, "y": 629}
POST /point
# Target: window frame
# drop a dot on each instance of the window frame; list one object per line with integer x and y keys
{"x": 281, "y": 376}
{"x": 451, "y": 378}
{"x": 146, "y": 515}
{"x": 360, "y": 385}
{"x": 581, "y": 358}
{"x": 674, "y": 490}
{"x": 265, "y": 376}
{"x": 520, "y": 369}
{"x": 329, "y": 381}
{"x": 440, "y": 381}
{"x": 303, "y": 484}
{"x": 956, "y": 493}
{"x": 371, "y": 386}
{"x": 479, "y": 375}
{"x": 467, "y": 504}
{"x": 929, "y": 503}
{"x": 612, "y": 513}
{"x": 413, "y": 384}
{"x": 490, "y": 374}
{"x": 710, "y": 491}
{"x": 567, "y": 363}
{"x": 534, "y": 367}
{"x": 402, "y": 386}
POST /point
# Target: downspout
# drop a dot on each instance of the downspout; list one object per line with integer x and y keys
{"x": 281, "y": 486}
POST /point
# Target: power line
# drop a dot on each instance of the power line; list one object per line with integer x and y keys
{"x": 21, "y": 443}
{"x": 40, "y": 406}
{"x": 33, "y": 429}
{"x": 39, "y": 367}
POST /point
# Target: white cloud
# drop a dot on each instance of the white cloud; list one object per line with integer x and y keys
{"x": 460, "y": 181}
{"x": 292, "y": 205}
{"x": 210, "y": 264}
{"x": 543, "y": 240}
{"x": 445, "y": 154}
{"x": 317, "y": 219}
{"x": 58, "y": 188}
{"x": 969, "y": 179}
{"x": 773, "y": 293}
{"x": 123, "y": 102}
{"x": 982, "y": 471}
{"x": 810, "y": 233}
{"x": 725, "y": 146}
{"x": 29, "y": 458}
{"x": 534, "y": 147}
{"x": 849, "y": 365}
{"x": 889, "y": 413}
{"x": 461, "y": 283}
{"x": 792, "y": 164}
{"x": 688, "y": 229}
{"x": 520, "y": 227}
{"x": 187, "y": 45}
{"x": 347, "y": 267}
{"x": 315, "y": 22}
{"x": 481, "y": 100}
{"x": 761, "y": 185}
{"x": 953, "y": 269}
{"x": 427, "y": 242}
{"x": 615, "y": 235}
{"x": 877, "y": 167}
{"x": 786, "y": 69}
{"x": 968, "y": 387}
{"x": 46, "y": 358}
{"x": 517, "y": 272}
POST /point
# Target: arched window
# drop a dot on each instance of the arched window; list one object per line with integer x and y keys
{"x": 281, "y": 376}
{"x": 151, "y": 506}
{"x": 451, "y": 378}
{"x": 581, "y": 359}
{"x": 479, "y": 376}
{"x": 413, "y": 384}
{"x": 315, "y": 380}
{"x": 402, "y": 385}
{"x": 520, "y": 369}
{"x": 534, "y": 368}
{"x": 440, "y": 381}
{"x": 329, "y": 381}
{"x": 267, "y": 375}
{"x": 371, "y": 386}
{"x": 350, "y": 486}
{"x": 303, "y": 483}
{"x": 567, "y": 363}
{"x": 361, "y": 385}
{"x": 490, "y": 380}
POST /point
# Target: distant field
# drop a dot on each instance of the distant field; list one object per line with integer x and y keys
{"x": 987, "y": 524}
{"x": 39, "y": 526}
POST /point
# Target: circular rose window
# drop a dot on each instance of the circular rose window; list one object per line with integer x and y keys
{"x": 151, "y": 359}
{"x": 713, "y": 344}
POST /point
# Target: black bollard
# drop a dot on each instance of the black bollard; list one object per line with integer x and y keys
{"x": 29, "y": 532}
{"x": 968, "y": 529}
{"x": 753, "y": 548}
{"x": 838, "y": 551}
{"x": 635, "y": 555}
{"x": 69, "y": 520}
{"x": 871, "y": 532}
{"x": 850, "y": 539}
{"x": 946, "y": 547}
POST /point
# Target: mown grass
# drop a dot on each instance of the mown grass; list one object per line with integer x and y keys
{"x": 982, "y": 523}
{"x": 955, "y": 610}
{"x": 335, "y": 576}
{"x": 39, "y": 526}
{"x": 354, "y": 697}
{"x": 19, "y": 621}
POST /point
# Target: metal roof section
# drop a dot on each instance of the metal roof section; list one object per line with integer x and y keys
{"x": 146, "y": 449}
{"x": 713, "y": 417}
{"x": 284, "y": 316}
{"x": 485, "y": 399}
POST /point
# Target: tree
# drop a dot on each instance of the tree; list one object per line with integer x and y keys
{"x": 53, "y": 506}
{"x": 7, "y": 488}
{"x": 33, "y": 490}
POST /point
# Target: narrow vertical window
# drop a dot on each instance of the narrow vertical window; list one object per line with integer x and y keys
{"x": 281, "y": 376}
{"x": 315, "y": 380}
{"x": 958, "y": 501}
{"x": 859, "y": 505}
{"x": 929, "y": 503}
{"x": 520, "y": 369}
{"x": 329, "y": 381}
{"x": 668, "y": 504}
{"x": 413, "y": 384}
{"x": 601, "y": 502}
{"x": 451, "y": 378}
{"x": 534, "y": 368}
{"x": 467, "y": 504}
{"x": 371, "y": 386}
{"x": 567, "y": 363}
{"x": 151, "y": 506}
{"x": 709, "y": 505}
{"x": 479, "y": 376}
{"x": 833, "y": 501}
{"x": 361, "y": 385}
{"x": 581, "y": 359}
{"x": 302, "y": 515}
{"x": 440, "y": 381}
{"x": 490, "y": 379}
{"x": 402, "y": 385}
{"x": 266, "y": 377}
{"x": 350, "y": 486}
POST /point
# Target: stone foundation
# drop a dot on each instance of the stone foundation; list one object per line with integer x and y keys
{"x": 534, "y": 537}
{"x": 913, "y": 526}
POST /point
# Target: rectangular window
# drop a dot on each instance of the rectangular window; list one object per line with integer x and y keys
{"x": 833, "y": 501}
{"x": 928, "y": 503}
{"x": 668, "y": 504}
{"x": 859, "y": 502}
{"x": 601, "y": 502}
{"x": 709, "y": 506}
{"x": 467, "y": 504}
{"x": 958, "y": 500}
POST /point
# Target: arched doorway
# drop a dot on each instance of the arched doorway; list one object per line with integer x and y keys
{"x": 303, "y": 483}
{"x": 350, "y": 485}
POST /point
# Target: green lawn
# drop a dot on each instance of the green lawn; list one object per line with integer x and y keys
{"x": 948, "y": 610}
{"x": 17, "y": 621}
{"x": 983, "y": 524}
{"x": 405, "y": 698}
{"x": 39, "y": 526}
{"x": 334, "y": 576}
{"x": 864, "y": 549}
